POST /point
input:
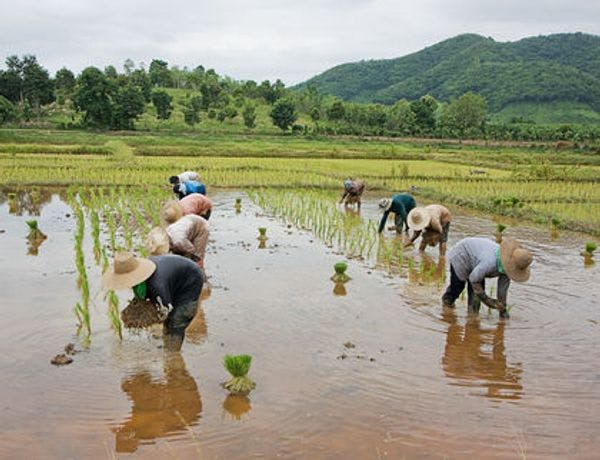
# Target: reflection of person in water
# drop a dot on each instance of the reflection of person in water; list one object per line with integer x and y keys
{"x": 158, "y": 408}
{"x": 466, "y": 360}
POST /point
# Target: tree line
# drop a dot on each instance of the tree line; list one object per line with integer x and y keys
{"x": 112, "y": 99}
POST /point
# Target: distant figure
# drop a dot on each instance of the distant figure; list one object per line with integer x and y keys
{"x": 400, "y": 205}
{"x": 185, "y": 188}
{"x": 170, "y": 280}
{"x": 473, "y": 260}
{"x": 432, "y": 223}
{"x": 185, "y": 176}
{"x": 194, "y": 203}
{"x": 353, "y": 190}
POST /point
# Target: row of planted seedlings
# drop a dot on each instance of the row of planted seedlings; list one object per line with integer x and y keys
{"x": 119, "y": 218}
{"x": 346, "y": 232}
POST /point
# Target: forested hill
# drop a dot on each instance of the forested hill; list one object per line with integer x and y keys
{"x": 554, "y": 68}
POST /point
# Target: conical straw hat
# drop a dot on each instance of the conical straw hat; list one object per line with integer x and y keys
{"x": 515, "y": 260}
{"x": 127, "y": 271}
{"x": 419, "y": 218}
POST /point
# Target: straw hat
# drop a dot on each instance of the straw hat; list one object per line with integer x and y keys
{"x": 515, "y": 260}
{"x": 171, "y": 212}
{"x": 157, "y": 242}
{"x": 127, "y": 271}
{"x": 385, "y": 204}
{"x": 419, "y": 218}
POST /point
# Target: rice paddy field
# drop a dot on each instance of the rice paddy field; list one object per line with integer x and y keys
{"x": 370, "y": 368}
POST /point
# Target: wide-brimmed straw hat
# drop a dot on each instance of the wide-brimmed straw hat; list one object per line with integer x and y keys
{"x": 419, "y": 218}
{"x": 127, "y": 271}
{"x": 171, "y": 212}
{"x": 385, "y": 204}
{"x": 157, "y": 242}
{"x": 515, "y": 260}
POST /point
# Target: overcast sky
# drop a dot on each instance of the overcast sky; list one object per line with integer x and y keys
{"x": 267, "y": 39}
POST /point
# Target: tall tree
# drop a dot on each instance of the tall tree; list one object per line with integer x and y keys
{"x": 93, "y": 97}
{"x": 160, "y": 74}
{"x": 284, "y": 114}
{"x": 162, "y": 101}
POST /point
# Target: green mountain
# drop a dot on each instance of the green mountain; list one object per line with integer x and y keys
{"x": 537, "y": 70}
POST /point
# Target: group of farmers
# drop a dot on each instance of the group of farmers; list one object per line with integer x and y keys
{"x": 173, "y": 275}
{"x": 472, "y": 260}
{"x": 173, "y": 281}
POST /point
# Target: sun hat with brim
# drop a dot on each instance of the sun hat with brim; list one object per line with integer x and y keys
{"x": 127, "y": 271}
{"x": 157, "y": 242}
{"x": 419, "y": 218}
{"x": 171, "y": 212}
{"x": 385, "y": 204}
{"x": 515, "y": 260}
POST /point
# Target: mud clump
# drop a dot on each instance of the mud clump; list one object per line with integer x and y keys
{"x": 61, "y": 359}
{"x": 141, "y": 313}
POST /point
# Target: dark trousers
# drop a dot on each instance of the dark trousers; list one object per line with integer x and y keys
{"x": 178, "y": 320}
{"x": 455, "y": 289}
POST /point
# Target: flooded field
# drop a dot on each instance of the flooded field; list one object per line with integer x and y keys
{"x": 373, "y": 369}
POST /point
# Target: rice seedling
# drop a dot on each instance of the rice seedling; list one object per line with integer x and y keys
{"x": 262, "y": 234}
{"x": 588, "y": 253}
{"x": 499, "y": 231}
{"x": 113, "y": 314}
{"x": 238, "y": 205}
{"x": 340, "y": 275}
{"x": 238, "y": 366}
{"x": 35, "y": 234}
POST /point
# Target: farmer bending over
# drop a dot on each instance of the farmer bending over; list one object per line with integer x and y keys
{"x": 473, "y": 260}
{"x": 194, "y": 203}
{"x": 188, "y": 237}
{"x": 353, "y": 190}
{"x": 191, "y": 186}
{"x": 432, "y": 223}
{"x": 185, "y": 177}
{"x": 170, "y": 280}
{"x": 400, "y": 205}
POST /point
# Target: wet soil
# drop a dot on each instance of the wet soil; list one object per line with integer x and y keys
{"x": 420, "y": 382}
{"x": 140, "y": 313}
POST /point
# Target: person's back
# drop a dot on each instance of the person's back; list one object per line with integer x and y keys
{"x": 196, "y": 203}
{"x": 176, "y": 280}
{"x": 474, "y": 258}
{"x": 403, "y": 203}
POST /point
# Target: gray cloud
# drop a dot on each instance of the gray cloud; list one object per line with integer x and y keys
{"x": 258, "y": 39}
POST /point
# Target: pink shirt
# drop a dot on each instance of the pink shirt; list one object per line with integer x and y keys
{"x": 195, "y": 203}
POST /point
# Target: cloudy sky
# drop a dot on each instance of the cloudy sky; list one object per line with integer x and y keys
{"x": 259, "y": 39}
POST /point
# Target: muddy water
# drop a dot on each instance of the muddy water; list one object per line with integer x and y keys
{"x": 412, "y": 381}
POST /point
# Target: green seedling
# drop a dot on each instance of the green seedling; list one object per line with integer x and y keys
{"x": 262, "y": 233}
{"x": 35, "y": 234}
{"x": 238, "y": 366}
{"x": 340, "y": 273}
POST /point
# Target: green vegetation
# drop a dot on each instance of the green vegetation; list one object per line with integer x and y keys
{"x": 535, "y": 183}
{"x": 561, "y": 67}
{"x": 340, "y": 272}
{"x": 238, "y": 366}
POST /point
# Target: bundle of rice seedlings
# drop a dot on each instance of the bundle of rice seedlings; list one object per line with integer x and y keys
{"x": 141, "y": 313}
{"x": 340, "y": 273}
{"x": 262, "y": 233}
{"x": 35, "y": 234}
{"x": 238, "y": 366}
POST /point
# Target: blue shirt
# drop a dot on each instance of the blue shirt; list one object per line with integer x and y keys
{"x": 193, "y": 186}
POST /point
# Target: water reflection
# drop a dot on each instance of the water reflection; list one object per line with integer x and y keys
{"x": 339, "y": 289}
{"x": 475, "y": 357}
{"x": 31, "y": 202}
{"x": 33, "y": 245}
{"x": 428, "y": 270}
{"x": 197, "y": 330}
{"x": 160, "y": 407}
{"x": 237, "y": 405}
